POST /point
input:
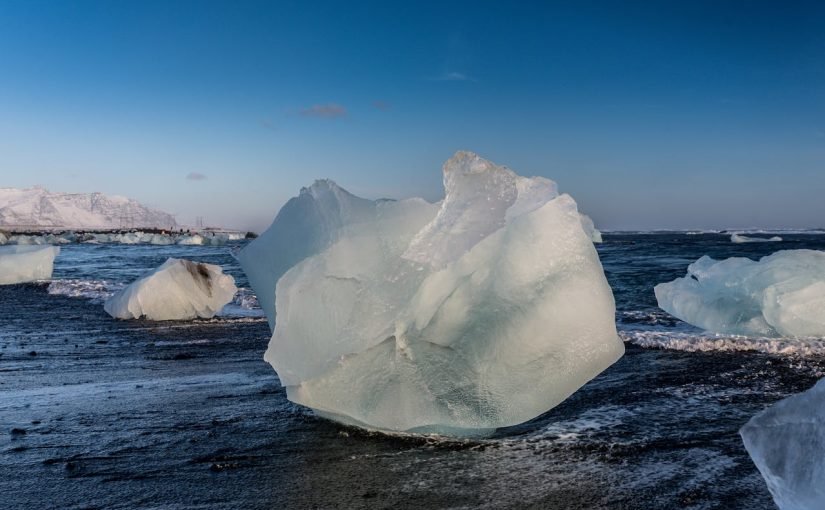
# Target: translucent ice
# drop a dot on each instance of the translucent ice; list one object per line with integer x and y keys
{"x": 480, "y": 312}
{"x": 177, "y": 290}
{"x": 787, "y": 444}
{"x": 780, "y": 295}
{"x": 193, "y": 240}
{"x": 20, "y": 264}
{"x": 590, "y": 229}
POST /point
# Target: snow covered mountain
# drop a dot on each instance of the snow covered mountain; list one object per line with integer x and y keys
{"x": 35, "y": 208}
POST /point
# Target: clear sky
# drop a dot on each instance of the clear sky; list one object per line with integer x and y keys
{"x": 660, "y": 115}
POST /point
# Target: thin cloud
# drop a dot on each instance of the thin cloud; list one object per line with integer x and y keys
{"x": 267, "y": 124}
{"x": 454, "y": 76}
{"x": 325, "y": 111}
{"x": 195, "y": 176}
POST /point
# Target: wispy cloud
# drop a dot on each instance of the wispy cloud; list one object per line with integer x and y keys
{"x": 454, "y": 76}
{"x": 195, "y": 176}
{"x": 325, "y": 111}
{"x": 266, "y": 123}
{"x": 381, "y": 105}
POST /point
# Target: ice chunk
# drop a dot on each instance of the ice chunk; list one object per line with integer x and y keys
{"x": 177, "y": 290}
{"x": 193, "y": 240}
{"x": 22, "y": 263}
{"x": 161, "y": 239}
{"x": 738, "y": 239}
{"x": 304, "y": 226}
{"x": 780, "y": 295}
{"x": 590, "y": 229}
{"x": 457, "y": 318}
{"x": 787, "y": 444}
{"x": 3, "y": 239}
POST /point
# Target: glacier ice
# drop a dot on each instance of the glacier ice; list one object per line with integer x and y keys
{"x": 780, "y": 295}
{"x": 482, "y": 311}
{"x": 787, "y": 444}
{"x": 177, "y": 290}
{"x": 19, "y": 264}
{"x": 739, "y": 239}
{"x": 590, "y": 229}
{"x": 193, "y": 240}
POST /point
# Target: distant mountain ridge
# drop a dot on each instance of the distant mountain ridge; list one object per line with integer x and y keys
{"x": 33, "y": 208}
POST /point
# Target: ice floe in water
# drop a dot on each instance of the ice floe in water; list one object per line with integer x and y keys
{"x": 19, "y": 264}
{"x": 739, "y": 239}
{"x": 780, "y": 295}
{"x": 456, "y": 318}
{"x": 787, "y": 444}
{"x": 177, "y": 290}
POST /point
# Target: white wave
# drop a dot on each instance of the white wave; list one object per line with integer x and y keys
{"x": 692, "y": 342}
{"x": 95, "y": 290}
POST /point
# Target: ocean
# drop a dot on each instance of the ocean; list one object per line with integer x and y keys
{"x": 99, "y": 413}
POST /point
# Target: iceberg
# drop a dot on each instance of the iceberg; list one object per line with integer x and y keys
{"x": 193, "y": 240}
{"x": 787, "y": 444}
{"x": 590, "y": 229}
{"x": 482, "y": 311}
{"x": 177, "y": 290}
{"x": 739, "y": 239}
{"x": 3, "y": 239}
{"x": 19, "y": 264}
{"x": 780, "y": 295}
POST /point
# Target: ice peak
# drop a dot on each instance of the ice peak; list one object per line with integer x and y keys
{"x": 481, "y": 197}
{"x": 468, "y": 162}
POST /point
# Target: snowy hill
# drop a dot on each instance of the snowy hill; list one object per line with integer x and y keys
{"x": 39, "y": 208}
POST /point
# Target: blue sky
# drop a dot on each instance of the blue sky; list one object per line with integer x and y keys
{"x": 652, "y": 115}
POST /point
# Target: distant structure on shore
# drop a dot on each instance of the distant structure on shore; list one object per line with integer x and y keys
{"x": 37, "y": 208}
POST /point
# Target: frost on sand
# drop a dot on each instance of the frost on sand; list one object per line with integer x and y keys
{"x": 177, "y": 290}
{"x": 787, "y": 444}
{"x": 479, "y": 312}
{"x": 19, "y": 264}
{"x": 780, "y": 295}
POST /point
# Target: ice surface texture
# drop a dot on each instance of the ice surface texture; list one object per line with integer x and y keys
{"x": 177, "y": 290}
{"x": 780, "y": 295}
{"x": 479, "y": 312}
{"x": 787, "y": 444}
{"x": 19, "y": 264}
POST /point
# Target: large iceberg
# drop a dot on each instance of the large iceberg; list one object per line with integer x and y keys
{"x": 787, "y": 444}
{"x": 479, "y": 312}
{"x": 19, "y": 264}
{"x": 177, "y": 290}
{"x": 780, "y": 295}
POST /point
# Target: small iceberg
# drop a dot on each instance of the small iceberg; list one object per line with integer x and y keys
{"x": 787, "y": 444}
{"x": 780, "y": 295}
{"x": 177, "y": 290}
{"x": 481, "y": 311}
{"x": 26, "y": 263}
{"x": 739, "y": 239}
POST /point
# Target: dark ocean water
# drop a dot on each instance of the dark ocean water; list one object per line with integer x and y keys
{"x": 98, "y": 413}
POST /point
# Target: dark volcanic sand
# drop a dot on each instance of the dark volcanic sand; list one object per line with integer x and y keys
{"x": 150, "y": 415}
{"x": 97, "y": 413}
